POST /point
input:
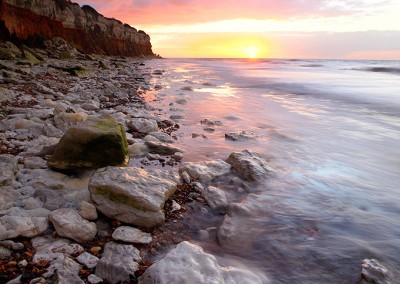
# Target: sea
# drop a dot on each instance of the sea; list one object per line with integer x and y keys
{"x": 330, "y": 129}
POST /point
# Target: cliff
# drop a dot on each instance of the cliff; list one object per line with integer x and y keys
{"x": 32, "y": 21}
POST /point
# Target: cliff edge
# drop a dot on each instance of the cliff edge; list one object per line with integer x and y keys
{"x": 32, "y": 21}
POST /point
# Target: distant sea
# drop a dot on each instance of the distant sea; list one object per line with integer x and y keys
{"x": 331, "y": 131}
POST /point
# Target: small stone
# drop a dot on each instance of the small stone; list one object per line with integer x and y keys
{"x": 185, "y": 176}
{"x": 22, "y": 263}
{"x": 93, "y": 279}
{"x": 90, "y": 261}
{"x": 39, "y": 280}
{"x": 12, "y": 245}
{"x": 142, "y": 125}
{"x": 178, "y": 156}
{"x": 175, "y": 206}
{"x": 95, "y": 250}
{"x": 88, "y": 211}
{"x": 209, "y": 129}
{"x": 131, "y": 235}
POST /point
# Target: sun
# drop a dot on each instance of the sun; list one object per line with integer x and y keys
{"x": 252, "y": 52}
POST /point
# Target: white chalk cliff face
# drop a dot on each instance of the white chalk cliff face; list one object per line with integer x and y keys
{"x": 83, "y": 27}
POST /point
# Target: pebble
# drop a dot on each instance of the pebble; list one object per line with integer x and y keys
{"x": 22, "y": 263}
{"x": 93, "y": 279}
{"x": 95, "y": 250}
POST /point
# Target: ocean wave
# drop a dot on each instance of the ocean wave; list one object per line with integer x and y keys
{"x": 390, "y": 70}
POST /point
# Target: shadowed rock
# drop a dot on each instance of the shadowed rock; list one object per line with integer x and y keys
{"x": 97, "y": 142}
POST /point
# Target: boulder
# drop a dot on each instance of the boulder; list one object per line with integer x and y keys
{"x": 8, "y": 168}
{"x": 131, "y": 235}
{"x": 9, "y": 51}
{"x": 250, "y": 166}
{"x": 133, "y": 195}
{"x": 375, "y": 273}
{"x": 206, "y": 171}
{"x": 68, "y": 223}
{"x": 188, "y": 263}
{"x": 118, "y": 262}
{"x": 142, "y": 125}
{"x": 99, "y": 141}
{"x": 215, "y": 197}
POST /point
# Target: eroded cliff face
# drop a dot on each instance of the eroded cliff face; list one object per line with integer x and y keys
{"x": 84, "y": 28}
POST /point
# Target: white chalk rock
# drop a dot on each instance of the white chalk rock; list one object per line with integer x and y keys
{"x": 68, "y": 223}
{"x": 250, "y": 166}
{"x": 88, "y": 211}
{"x": 131, "y": 235}
{"x": 142, "y": 125}
{"x": 188, "y": 263}
{"x": 375, "y": 273}
{"x": 87, "y": 259}
{"x": 49, "y": 248}
{"x": 215, "y": 197}
{"x": 206, "y": 171}
{"x": 118, "y": 262}
{"x": 133, "y": 195}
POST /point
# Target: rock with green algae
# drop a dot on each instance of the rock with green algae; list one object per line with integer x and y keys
{"x": 97, "y": 142}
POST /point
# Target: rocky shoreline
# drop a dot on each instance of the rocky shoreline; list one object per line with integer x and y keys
{"x": 73, "y": 211}
{"x": 63, "y": 226}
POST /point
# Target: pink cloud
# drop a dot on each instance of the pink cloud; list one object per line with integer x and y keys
{"x": 194, "y": 11}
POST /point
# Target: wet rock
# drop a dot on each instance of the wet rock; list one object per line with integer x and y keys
{"x": 97, "y": 142}
{"x": 250, "y": 166}
{"x": 19, "y": 222}
{"x": 375, "y": 273}
{"x": 91, "y": 105}
{"x": 133, "y": 195}
{"x": 65, "y": 119}
{"x": 49, "y": 248}
{"x": 209, "y": 122}
{"x": 131, "y": 235}
{"x": 138, "y": 150}
{"x": 68, "y": 223}
{"x": 178, "y": 156}
{"x": 206, "y": 171}
{"x": 8, "y": 169}
{"x": 188, "y": 263}
{"x": 90, "y": 261}
{"x": 240, "y": 136}
{"x": 185, "y": 177}
{"x": 88, "y": 211}
{"x": 142, "y": 125}
{"x": 160, "y": 136}
{"x": 118, "y": 262}
{"x": 162, "y": 148}
{"x": 215, "y": 197}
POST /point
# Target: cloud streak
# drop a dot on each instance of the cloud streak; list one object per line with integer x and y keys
{"x": 146, "y": 12}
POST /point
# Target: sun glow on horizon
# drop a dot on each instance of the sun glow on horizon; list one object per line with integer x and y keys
{"x": 252, "y": 52}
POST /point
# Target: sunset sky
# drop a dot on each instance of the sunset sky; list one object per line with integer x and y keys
{"x": 350, "y": 29}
